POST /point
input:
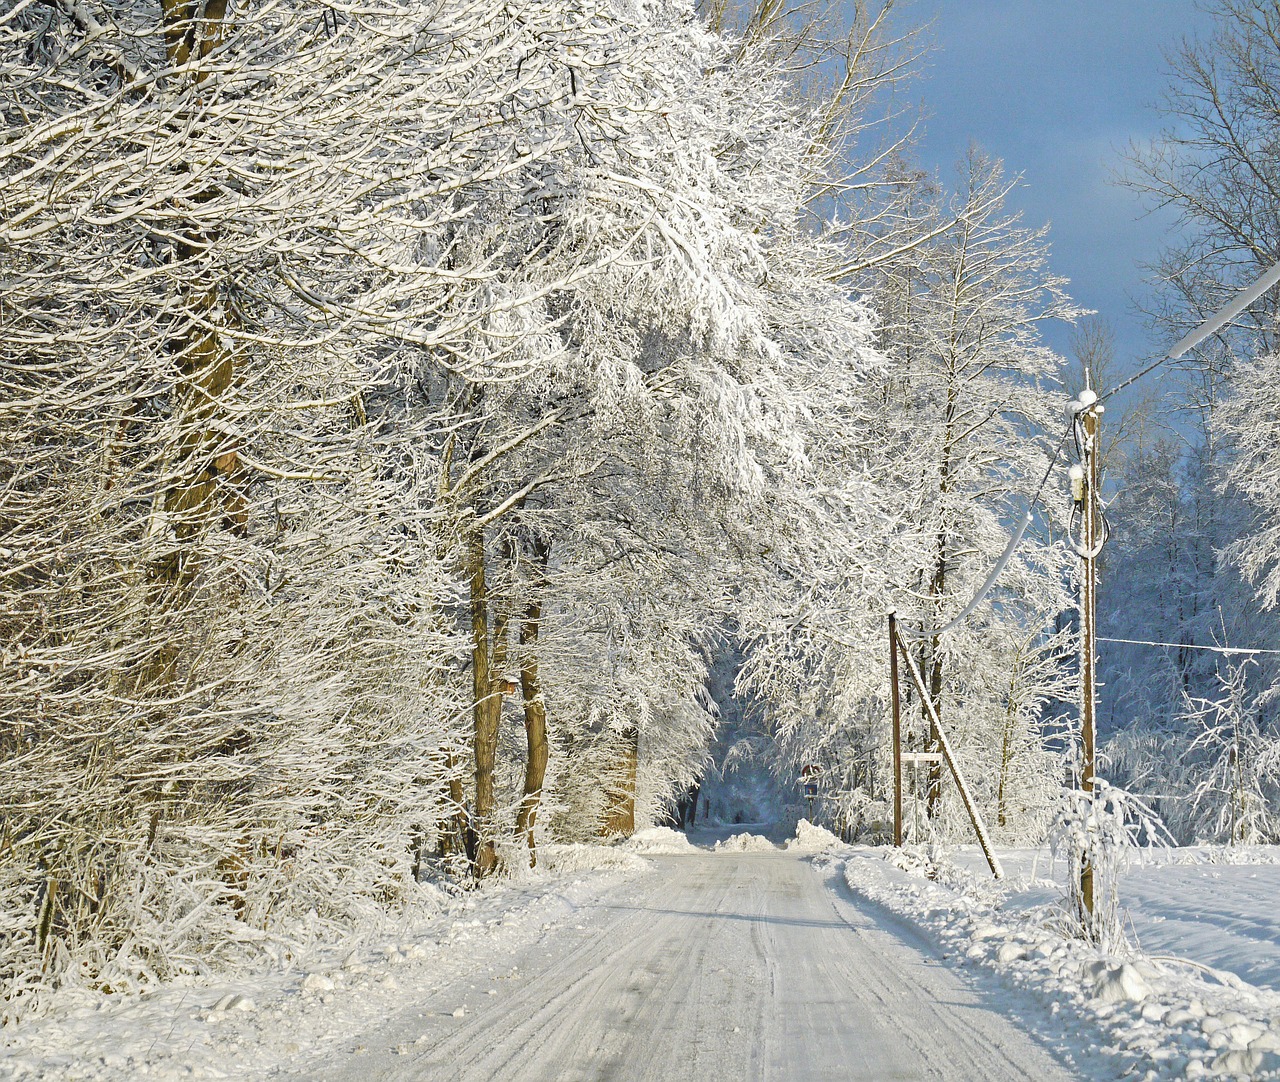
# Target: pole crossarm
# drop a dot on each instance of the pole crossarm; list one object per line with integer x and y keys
{"x": 975, "y": 816}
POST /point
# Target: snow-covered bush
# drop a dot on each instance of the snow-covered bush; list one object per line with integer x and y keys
{"x": 1214, "y": 766}
{"x": 1094, "y": 833}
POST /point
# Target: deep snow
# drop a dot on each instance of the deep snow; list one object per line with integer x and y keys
{"x": 1193, "y": 994}
{"x": 453, "y": 952}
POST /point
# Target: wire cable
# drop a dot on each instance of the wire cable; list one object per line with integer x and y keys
{"x": 1057, "y": 453}
{"x": 1002, "y": 562}
{"x": 1212, "y": 325}
{"x": 1193, "y": 646}
{"x": 985, "y": 589}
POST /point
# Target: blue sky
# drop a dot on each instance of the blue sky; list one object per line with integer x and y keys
{"x": 1057, "y": 90}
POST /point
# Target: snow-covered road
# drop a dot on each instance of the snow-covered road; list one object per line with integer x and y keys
{"x": 719, "y": 966}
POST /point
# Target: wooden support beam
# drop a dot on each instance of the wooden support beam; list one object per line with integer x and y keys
{"x": 975, "y": 817}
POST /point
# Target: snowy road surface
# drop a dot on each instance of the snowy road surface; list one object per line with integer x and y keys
{"x": 719, "y": 966}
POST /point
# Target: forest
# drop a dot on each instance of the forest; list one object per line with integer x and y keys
{"x": 430, "y": 429}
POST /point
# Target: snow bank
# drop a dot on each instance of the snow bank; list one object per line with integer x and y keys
{"x": 587, "y": 858}
{"x": 811, "y": 839}
{"x": 1213, "y": 904}
{"x": 658, "y": 840}
{"x": 1160, "y": 1017}
{"x": 746, "y": 843}
{"x": 285, "y": 1021}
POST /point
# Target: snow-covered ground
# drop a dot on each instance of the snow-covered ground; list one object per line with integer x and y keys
{"x": 745, "y": 957}
{"x": 1196, "y": 993}
{"x": 454, "y": 955}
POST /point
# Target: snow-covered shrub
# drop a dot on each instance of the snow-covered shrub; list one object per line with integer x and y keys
{"x": 1214, "y": 764}
{"x": 1230, "y": 767}
{"x": 1094, "y": 833}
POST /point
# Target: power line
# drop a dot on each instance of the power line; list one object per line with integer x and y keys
{"x": 1000, "y": 564}
{"x": 985, "y": 589}
{"x": 1193, "y": 646}
{"x": 1212, "y": 325}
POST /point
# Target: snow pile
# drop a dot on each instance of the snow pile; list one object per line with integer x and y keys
{"x": 1160, "y": 1017}
{"x": 659, "y": 841}
{"x": 587, "y": 858}
{"x": 746, "y": 843}
{"x": 1121, "y": 983}
{"x": 811, "y": 839}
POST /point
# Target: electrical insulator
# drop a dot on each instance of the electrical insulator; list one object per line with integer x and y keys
{"x": 1076, "y": 473}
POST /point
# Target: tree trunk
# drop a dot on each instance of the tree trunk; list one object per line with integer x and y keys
{"x": 937, "y": 590}
{"x": 202, "y": 478}
{"x": 535, "y": 728}
{"x": 1006, "y": 764}
{"x": 192, "y": 30}
{"x": 452, "y": 831}
{"x": 487, "y": 657}
{"x": 933, "y": 797}
{"x": 620, "y": 811}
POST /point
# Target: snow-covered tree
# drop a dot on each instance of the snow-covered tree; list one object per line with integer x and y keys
{"x": 337, "y": 351}
{"x": 1193, "y": 517}
{"x": 1213, "y": 769}
{"x": 955, "y": 430}
{"x": 224, "y": 244}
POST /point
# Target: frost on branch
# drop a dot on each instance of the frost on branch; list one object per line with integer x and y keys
{"x": 1098, "y": 830}
{"x": 395, "y": 408}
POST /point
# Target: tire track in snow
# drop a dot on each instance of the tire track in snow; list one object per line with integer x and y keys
{"x": 721, "y": 966}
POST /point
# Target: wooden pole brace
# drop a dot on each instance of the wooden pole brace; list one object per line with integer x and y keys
{"x": 975, "y": 817}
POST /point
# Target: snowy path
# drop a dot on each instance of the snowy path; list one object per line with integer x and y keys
{"x": 718, "y": 966}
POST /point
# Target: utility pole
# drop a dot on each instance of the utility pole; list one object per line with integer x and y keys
{"x": 1086, "y": 495}
{"x": 896, "y": 703}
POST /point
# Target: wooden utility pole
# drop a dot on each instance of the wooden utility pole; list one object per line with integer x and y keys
{"x": 896, "y": 702}
{"x": 947, "y": 756}
{"x": 1086, "y": 486}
